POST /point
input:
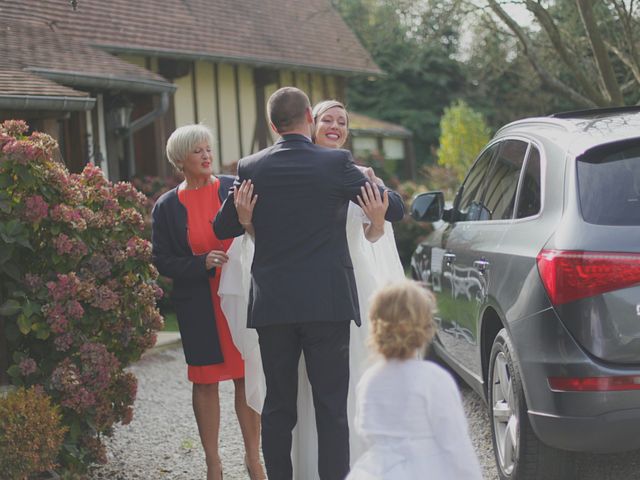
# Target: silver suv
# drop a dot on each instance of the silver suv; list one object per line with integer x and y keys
{"x": 536, "y": 269}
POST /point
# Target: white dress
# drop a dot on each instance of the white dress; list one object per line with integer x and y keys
{"x": 410, "y": 414}
{"x": 374, "y": 264}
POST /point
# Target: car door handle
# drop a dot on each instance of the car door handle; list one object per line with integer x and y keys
{"x": 481, "y": 265}
{"x": 449, "y": 258}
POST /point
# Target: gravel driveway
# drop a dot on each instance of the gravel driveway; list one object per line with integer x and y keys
{"x": 162, "y": 440}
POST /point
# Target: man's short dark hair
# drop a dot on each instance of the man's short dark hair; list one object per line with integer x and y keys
{"x": 287, "y": 107}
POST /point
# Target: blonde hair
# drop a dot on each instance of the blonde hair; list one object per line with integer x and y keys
{"x": 183, "y": 140}
{"x": 321, "y": 107}
{"x": 401, "y": 316}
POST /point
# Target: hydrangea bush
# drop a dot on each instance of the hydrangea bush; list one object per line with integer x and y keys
{"x": 77, "y": 290}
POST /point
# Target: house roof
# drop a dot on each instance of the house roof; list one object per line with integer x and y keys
{"x": 14, "y": 81}
{"x": 306, "y": 34}
{"x": 41, "y": 54}
{"x": 363, "y": 125}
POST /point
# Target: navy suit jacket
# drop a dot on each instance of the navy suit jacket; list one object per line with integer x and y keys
{"x": 301, "y": 270}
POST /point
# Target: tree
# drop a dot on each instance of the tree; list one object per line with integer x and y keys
{"x": 463, "y": 134}
{"x": 415, "y": 44}
{"x": 596, "y": 44}
{"x": 502, "y": 84}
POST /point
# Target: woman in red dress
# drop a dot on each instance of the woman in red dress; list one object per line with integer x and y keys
{"x": 186, "y": 249}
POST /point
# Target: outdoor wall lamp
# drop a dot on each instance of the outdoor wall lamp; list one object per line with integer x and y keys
{"x": 120, "y": 115}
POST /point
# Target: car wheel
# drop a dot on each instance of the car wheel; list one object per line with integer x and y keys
{"x": 518, "y": 452}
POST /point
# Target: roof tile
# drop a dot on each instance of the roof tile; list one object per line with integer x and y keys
{"x": 26, "y": 45}
{"x": 306, "y": 33}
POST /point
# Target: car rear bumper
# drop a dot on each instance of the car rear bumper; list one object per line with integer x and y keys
{"x": 607, "y": 433}
{"x": 579, "y": 421}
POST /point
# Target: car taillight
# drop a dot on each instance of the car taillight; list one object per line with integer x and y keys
{"x": 594, "y": 384}
{"x": 571, "y": 275}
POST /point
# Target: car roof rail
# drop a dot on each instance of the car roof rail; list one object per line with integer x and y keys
{"x": 596, "y": 111}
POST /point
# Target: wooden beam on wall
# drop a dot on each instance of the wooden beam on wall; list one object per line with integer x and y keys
{"x": 238, "y": 109}
{"x": 194, "y": 92}
{"x": 216, "y": 78}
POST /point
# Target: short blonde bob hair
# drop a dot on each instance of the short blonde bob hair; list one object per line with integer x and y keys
{"x": 401, "y": 316}
{"x": 183, "y": 140}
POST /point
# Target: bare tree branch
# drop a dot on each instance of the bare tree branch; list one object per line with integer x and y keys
{"x": 626, "y": 19}
{"x": 600, "y": 54}
{"x": 550, "y": 28}
{"x": 626, "y": 59}
{"x": 629, "y": 86}
{"x": 546, "y": 77}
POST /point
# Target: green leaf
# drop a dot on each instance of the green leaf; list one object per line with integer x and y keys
{"x": 14, "y": 371}
{"x": 5, "y": 206}
{"x": 74, "y": 432}
{"x": 42, "y": 330}
{"x": 24, "y": 324}
{"x": 14, "y": 227}
{"x": 5, "y": 181}
{"x": 24, "y": 241}
{"x": 31, "y": 308}
{"x": 5, "y": 253}
{"x": 12, "y": 270}
{"x": 11, "y": 332}
{"x": 8, "y": 308}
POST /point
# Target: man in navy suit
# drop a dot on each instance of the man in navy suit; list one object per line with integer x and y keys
{"x": 303, "y": 294}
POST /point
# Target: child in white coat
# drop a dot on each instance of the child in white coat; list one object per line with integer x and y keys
{"x": 409, "y": 410}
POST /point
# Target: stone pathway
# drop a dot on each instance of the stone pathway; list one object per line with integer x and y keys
{"x": 162, "y": 442}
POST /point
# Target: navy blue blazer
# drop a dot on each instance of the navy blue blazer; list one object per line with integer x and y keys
{"x": 301, "y": 270}
{"x": 191, "y": 295}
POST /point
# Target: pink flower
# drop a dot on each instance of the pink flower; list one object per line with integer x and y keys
{"x": 14, "y": 128}
{"x": 66, "y": 286}
{"x": 105, "y": 298}
{"x": 127, "y": 192}
{"x": 75, "y": 310}
{"x": 27, "y": 366}
{"x": 35, "y": 208}
{"x": 63, "y": 342}
{"x": 98, "y": 366}
{"x": 44, "y": 142}
{"x": 139, "y": 248}
{"x": 99, "y": 265}
{"x": 33, "y": 281}
{"x": 132, "y": 217}
{"x": 66, "y": 379}
{"x": 69, "y": 215}
{"x": 65, "y": 245}
{"x": 94, "y": 176}
{"x": 21, "y": 151}
{"x": 56, "y": 318}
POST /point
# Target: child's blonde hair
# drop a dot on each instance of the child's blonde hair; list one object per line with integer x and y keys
{"x": 401, "y": 316}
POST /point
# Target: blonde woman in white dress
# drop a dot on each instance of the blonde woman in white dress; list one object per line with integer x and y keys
{"x": 375, "y": 263}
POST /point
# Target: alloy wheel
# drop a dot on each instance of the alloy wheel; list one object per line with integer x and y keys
{"x": 505, "y": 414}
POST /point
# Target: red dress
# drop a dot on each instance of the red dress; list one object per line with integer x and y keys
{"x": 202, "y": 206}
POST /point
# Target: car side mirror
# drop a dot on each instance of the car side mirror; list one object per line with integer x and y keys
{"x": 428, "y": 207}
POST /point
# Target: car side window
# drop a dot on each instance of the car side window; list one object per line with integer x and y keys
{"x": 502, "y": 183}
{"x": 468, "y": 206}
{"x": 530, "y": 199}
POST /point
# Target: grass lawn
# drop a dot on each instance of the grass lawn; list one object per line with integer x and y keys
{"x": 170, "y": 322}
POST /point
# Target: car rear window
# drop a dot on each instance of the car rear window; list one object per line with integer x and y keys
{"x": 609, "y": 184}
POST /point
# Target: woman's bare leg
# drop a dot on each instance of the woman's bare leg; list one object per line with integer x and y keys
{"x": 250, "y": 426}
{"x": 206, "y": 406}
